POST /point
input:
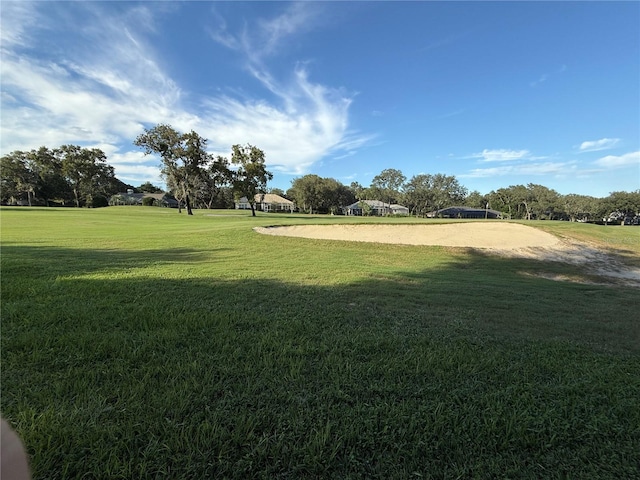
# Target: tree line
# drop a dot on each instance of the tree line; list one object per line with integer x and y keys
{"x": 191, "y": 172}
{"x": 427, "y": 193}
{"x": 195, "y": 178}
{"x": 57, "y": 176}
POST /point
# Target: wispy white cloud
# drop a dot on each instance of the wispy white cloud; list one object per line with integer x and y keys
{"x": 104, "y": 83}
{"x": 597, "y": 145}
{"x": 528, "y": 169}
{"x": 297, "y": 18}
{"x": 102, "y": 90}
{"x": 614, "y": 161}
{"x": 543, "y": 78}
{"x": 501, "y": 155}
{"x": 311, "y": 121}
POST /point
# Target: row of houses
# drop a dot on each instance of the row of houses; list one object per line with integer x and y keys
{"x": 130, "y": 198}
{"x": 275, "y": 203}
{"x": 270, "y": 202}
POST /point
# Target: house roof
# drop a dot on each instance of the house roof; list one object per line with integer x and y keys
{"x": 139, "y": 196}
{"x": 267, "y": 198}
{"x": 376, "y": 204}
{"x": 456, "y": 210}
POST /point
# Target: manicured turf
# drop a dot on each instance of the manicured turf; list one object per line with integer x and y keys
{"x": 139, "y": 343}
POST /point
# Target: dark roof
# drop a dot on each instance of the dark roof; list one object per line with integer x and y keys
{"x": 376, "y": 204}
{"x": 460, "y": 209}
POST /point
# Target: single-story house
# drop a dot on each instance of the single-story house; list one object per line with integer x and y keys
{"x": 465, "y": 212}
{"x": 267, "y": 202}
{"x": 130, "y": 198}
{"x": 377, "y": 207}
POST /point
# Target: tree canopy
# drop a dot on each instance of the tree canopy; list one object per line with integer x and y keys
{"x": 82, "y": 176}
{"x": 183, "y": 158}
{"x": 313, "y": 193}
{"x": 251, "y": 176}
{"x": 67, "y": 173}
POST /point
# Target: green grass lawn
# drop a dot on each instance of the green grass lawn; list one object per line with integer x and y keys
{"x": 139, "y": 343}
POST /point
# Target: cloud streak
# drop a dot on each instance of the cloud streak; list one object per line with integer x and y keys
{"x": 501, "y": 155}
{"x": 597, "y": 145}
{"x": 103, "y": 84}
{"x": 311, "y": 120}
{"x": 544, "y": 168}
{"x": 615, "y": 161}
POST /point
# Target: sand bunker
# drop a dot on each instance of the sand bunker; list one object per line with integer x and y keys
{"x": 477, "y": 235}
{"x": 506, "y": 239}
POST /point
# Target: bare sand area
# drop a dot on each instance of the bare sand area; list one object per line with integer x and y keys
{"x": 477, "y": 235}
{"x": 506, "y": 239}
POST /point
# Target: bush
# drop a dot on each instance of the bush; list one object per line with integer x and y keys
{"x": 148, "y": 201}
{"x": 98, "y": 201}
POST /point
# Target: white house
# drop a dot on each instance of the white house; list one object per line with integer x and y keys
{"x": 377, "y": 207}
{"x": 267, "y": 202}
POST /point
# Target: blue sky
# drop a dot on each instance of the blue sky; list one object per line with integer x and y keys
{"x": 496, "y": 94}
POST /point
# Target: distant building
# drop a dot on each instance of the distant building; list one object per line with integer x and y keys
{"x": 130, "y": 198}
{"x": 268, "y": 202}
{"x": 464, "y": 212}
{"x": 377, "y": 208}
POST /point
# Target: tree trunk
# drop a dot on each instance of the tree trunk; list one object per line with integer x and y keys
{"x": 253, "y": 209}
{"x": 189, "y": 212}
{"x": 526, "y": 206}
{"x": 75, "y": 194}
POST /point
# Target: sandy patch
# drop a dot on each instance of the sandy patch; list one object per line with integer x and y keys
{"x": 506, "y": 239}
{"x": 477, "y": 235}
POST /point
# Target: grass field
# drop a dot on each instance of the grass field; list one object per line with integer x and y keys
{"x": 139, "y": 343}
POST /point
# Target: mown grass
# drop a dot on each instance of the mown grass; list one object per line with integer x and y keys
{"x": 138, "y": 343}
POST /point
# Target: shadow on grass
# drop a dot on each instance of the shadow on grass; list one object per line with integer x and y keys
{"x": 45, "y": 260}
{"x": 470, "y": 369}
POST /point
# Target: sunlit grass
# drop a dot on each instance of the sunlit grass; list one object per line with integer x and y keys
{"x": 137, "y": 342}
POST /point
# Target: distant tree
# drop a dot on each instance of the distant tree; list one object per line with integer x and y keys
{"x": 476, "y": 200}
{"x": 183, "y": 158}
{"x": 627, "y": 203}
{"x": 365, "y": 208}
{"x": 86, "y": 171}
{"x": 545, "y": 202}
{"x": 17, "y": 178}
{"x": 523, "y": 199}
{"x": 224, "y": 198}
{"x": 313, "y": 193}
{"x": 251, "y": 176}
{"x": 502, "y": 200}
{"x": 389, "y": 182}
{"x": 277, "y": 191}
{"x": 148, "y": 187}
{"x": 425, "y": 193}
{"x": 216, "y": 176}
{"x": 335, "y": 195}
{"x": 307, "y": 192}
{"x": 359, "y": 192}
{"x": 52, "y": 185}
{"x": 579, "y": 207}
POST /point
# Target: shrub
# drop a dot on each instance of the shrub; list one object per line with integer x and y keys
{"x": 148, "y": 201}
{"x": 98, "y": 201}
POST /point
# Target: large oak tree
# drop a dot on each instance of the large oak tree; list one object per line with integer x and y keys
{"x": 183, "y": 158}
{"x": 251, "y": 176}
